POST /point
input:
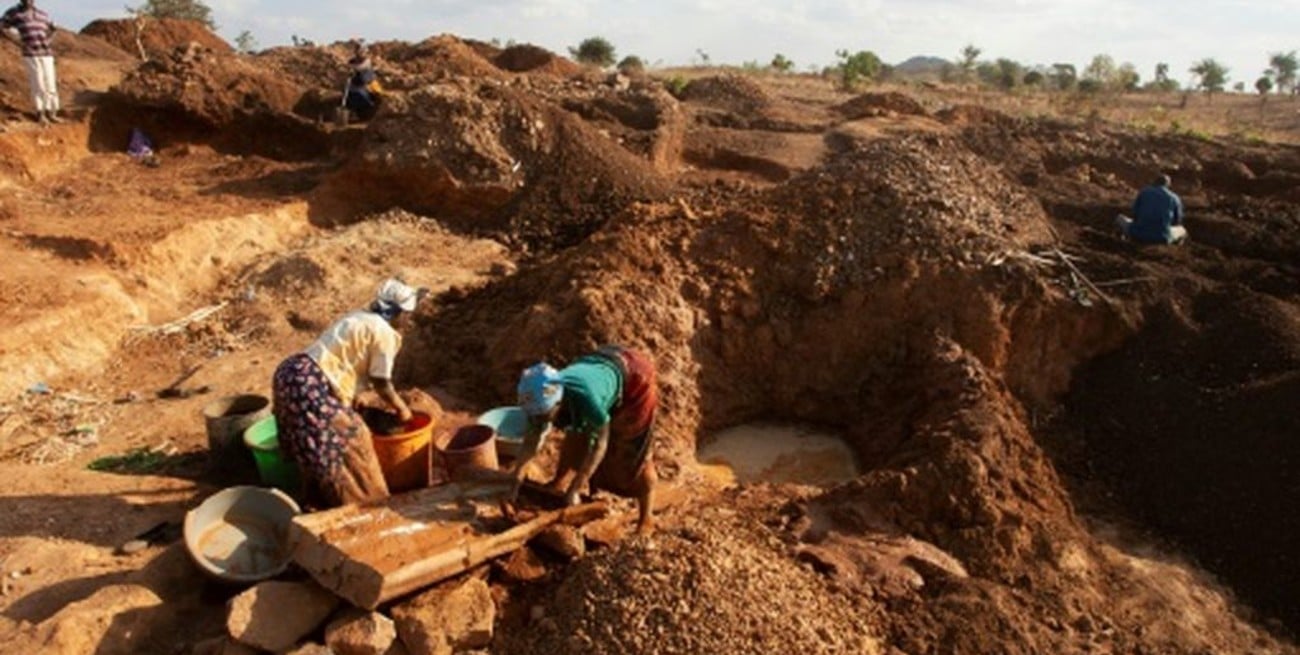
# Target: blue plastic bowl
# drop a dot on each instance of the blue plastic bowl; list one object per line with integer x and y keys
{"x": 510, "y": 424}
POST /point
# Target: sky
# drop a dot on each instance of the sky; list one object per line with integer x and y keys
{"x": 1240, "y": 35}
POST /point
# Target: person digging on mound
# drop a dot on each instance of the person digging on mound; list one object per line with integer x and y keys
{"x": 1157, "y": 215}
{"x": 314, "y": 391}
{"x": 605, "y": 402}
{"x": 34, "y": 31}
{"x": 363, "y": 90}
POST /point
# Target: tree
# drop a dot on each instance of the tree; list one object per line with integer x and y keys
{"x": 631, "y": 64}
{"x": 1162, "y": 81}
{"x": 1033, "y": 78}
{"x": 194, "y": 10}
{"x": 862, "y": 65}
{"x": 1282, "y": 68}
{"x": 1064, "y": 76}
{"x": 781, "y": 64}
{"x": 1127, "y": 78}
{"x": 246, "y": 42}
{"x": 1239, "y": 87}
{"x": 595, "y": 51}
{"x": 967, "y": 62}
{"x": 1009, "y": 73}
{"x": 1263, "y": 85}
{"x": 1211, "y": 75}
{"x": 1101, "y": 70}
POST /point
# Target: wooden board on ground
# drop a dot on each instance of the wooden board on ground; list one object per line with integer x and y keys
{"x": 369, "y": 554}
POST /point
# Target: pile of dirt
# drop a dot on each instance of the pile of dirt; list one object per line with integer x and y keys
{"x": 158, "y": 36}
{"x": 716, "y": 586}
{"x": 310, "y": 67}
{"x": 1197, "y": 436}
{"x": 964, "y": 114}
{"x": 225, "y": 100}
{"x": 527, "y": 58}
{"x": 732, "y": 93}
{"x": 491, "y": 158}
{"x": 437, "y": 58}
{"x": 880, "y": 104}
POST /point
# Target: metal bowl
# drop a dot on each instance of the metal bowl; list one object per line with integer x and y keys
{"x": 241, "y": 534}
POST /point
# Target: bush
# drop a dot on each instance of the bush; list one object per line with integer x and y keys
{"x": 860, "y": 66}
{"x": 595, "y": 50}
{"x": 193, "y": 10}
{"x": 676, "y": 85}
{"x": 631, "y": 64}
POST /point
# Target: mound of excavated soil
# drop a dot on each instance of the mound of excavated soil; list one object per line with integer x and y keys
{"x": 196, "y": 94}
{"x": 438, "y": 57}
{"x": 309, "y": 67}
{"x": 528, "y": 58}
{"x": 731, "y": 93}
{"x": 491, "y": 158}
{"x": 158, "y": 36}
{"x": 878, "y": 104}
{"x": 1194, "y": 423}
{"x": 716, "y": 588}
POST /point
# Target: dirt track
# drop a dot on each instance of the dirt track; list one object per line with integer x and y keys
{"x": 1044, "y": 469}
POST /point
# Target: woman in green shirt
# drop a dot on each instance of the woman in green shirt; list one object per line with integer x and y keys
{"x": 605, "y": 402}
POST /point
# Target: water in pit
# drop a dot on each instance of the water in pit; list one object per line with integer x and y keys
{"x": 777, "y": 453}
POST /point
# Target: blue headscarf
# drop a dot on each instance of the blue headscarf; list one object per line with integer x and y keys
{"x": 540, "y": 389}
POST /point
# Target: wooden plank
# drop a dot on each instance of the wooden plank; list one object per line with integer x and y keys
{"x": 474, "y": 551}
{"x": 371, "y": 553}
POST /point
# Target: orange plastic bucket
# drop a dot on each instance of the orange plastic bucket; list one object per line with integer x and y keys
{"x": 404, "y": 457}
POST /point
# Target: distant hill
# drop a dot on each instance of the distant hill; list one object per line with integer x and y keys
{"x": 922, "y": 65}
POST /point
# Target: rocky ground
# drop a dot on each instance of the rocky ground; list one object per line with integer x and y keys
{"x": 1067, "y": 443}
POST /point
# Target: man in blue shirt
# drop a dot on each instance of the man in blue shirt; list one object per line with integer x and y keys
{"x": 1157, "y": 215}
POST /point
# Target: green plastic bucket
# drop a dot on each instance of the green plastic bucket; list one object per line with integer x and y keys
{"x": 262, "y": 438}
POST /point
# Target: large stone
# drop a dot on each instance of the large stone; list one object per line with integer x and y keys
{"x": 523, "y": 565}
{"x": 358, "y": 632}
{"x": 111, "y": 621}
{"x": 275, "y": 615}
{"x": 563, "y": 540}
{"x": 455, "y": 616}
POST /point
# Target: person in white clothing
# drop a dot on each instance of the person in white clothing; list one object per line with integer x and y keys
{"x": 314, "y": 391}
{"x": 34, "y": 30}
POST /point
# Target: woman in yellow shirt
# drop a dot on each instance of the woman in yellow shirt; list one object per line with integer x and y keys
{"x": 314, "y": 391}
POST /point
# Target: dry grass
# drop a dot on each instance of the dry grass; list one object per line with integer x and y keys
{"x": 1237, "y": 116}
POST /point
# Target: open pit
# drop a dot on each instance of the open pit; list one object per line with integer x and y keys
{"x": 1017, "y": 461}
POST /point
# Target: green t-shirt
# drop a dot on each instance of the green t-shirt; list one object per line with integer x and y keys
{"x": 592, "y": 386}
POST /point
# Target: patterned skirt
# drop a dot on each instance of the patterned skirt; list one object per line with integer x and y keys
{"x": 327, "y": 439}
